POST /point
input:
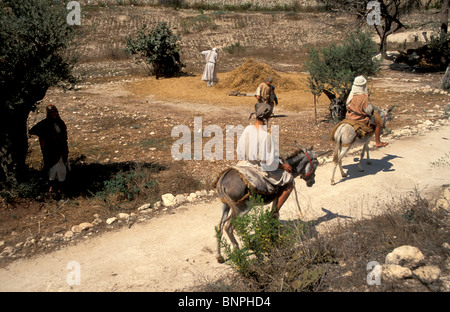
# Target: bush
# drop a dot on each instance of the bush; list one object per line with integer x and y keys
{"x": 128, "y": 185}
{"x": 159, "y": 48}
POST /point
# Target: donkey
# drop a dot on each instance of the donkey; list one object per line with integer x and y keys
{"x": 346, "y": 137}
{"x": 232, "y": 190}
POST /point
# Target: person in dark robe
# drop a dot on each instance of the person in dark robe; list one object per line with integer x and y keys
{"x": 52, "y": 133}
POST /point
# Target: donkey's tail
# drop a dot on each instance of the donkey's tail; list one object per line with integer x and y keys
{"x": 224, "y": 197}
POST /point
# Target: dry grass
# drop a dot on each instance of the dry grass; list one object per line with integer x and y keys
{"x": 291, "y": 88}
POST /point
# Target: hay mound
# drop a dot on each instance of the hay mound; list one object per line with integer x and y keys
{"x": 249, "y": 75}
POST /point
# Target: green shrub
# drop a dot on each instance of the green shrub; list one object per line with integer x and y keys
{"x": 158, "y": 47}
{"x": 128, "y": 185}
{"x": 234, "y": 48}
{"x": 259, "y": 233}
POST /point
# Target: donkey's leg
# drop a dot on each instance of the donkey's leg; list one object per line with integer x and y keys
{"x": 229, "y": 230}
{"x": 361, "y": 169}
{"x": 343, "y": 152}
{"x": 369, "y": 162}
{"x": 225, "y": 211}
{"x": 336, "y": 163}
{"x": 332, "y": 175}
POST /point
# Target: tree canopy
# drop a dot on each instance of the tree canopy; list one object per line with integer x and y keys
{"x": 34, "y": 42}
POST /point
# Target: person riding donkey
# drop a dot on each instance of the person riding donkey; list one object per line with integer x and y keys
{"x": 360, "y": 110}
{"x": 256, "y": 148}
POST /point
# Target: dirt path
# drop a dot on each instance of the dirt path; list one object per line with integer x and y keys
{"x": 177, "y": 251}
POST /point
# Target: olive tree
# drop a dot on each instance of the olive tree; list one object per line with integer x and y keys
{"x": 333, "y": 68}
{"x": 34, "y": 40}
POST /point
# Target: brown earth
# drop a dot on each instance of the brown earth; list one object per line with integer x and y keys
{"x": 119, "y": 118}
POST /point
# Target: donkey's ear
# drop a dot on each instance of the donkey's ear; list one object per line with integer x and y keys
{"x": 299, "y": 146}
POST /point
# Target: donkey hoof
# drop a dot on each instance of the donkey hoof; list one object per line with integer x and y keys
{"x": 332, "y": 182}
{"x": 369, "y": 162}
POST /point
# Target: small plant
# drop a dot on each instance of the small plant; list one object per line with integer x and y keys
{"x": 128, "y": 185}
{"x": 259, "y": 232}
{"x": 234, "y": 48}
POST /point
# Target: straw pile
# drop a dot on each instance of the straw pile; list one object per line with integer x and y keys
{"x": 249, "y": 75}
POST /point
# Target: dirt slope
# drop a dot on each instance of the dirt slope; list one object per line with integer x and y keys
{"x": 176, "y": 251}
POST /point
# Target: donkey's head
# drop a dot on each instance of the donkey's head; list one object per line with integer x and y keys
{"x": 304, "y": 164}
{"x": 385, "y": 115}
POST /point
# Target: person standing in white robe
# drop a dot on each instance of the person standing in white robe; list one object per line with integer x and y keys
{"x": 210, "y": 72}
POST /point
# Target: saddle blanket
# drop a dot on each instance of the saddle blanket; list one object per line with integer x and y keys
{"x": 257, "y": 180}
{"x": 361, "y": 129}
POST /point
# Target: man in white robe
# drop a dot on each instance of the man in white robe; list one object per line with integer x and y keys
{"x": 256, "y": 148}
{"x": 210, "y": 72}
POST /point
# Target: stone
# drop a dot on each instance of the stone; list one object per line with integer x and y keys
{"x": 180, "y": 198}
{"x": 446, "y": 247}
{"x": 447, "y": 193}
{"x": 442, "y": 203}
{"x": 395, "y": 271}
{"x": 428, "y": 123}
{"x": 68, "y": 234}
{"x": 407, "y": 256}
{"x": 81, "y": 227}
{"x": 145, "y": 207}
{"x": 427, "y": 274}
{"x": 7, "y": 251}
{"x": 168, "y": 200}
{"x": 111, "y": 220}
{"x": 123, "y": 215}
{"x": 445, "y": 81}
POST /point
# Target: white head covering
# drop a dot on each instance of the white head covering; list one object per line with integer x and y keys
{"x": 359, "y": 87}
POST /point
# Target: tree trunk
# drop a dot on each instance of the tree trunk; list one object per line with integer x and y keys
{"x": 14, "y": 146}
{"x": 444, "y": 16}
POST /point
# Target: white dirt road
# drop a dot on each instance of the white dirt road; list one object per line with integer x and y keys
{"x": 176, "y": 251}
